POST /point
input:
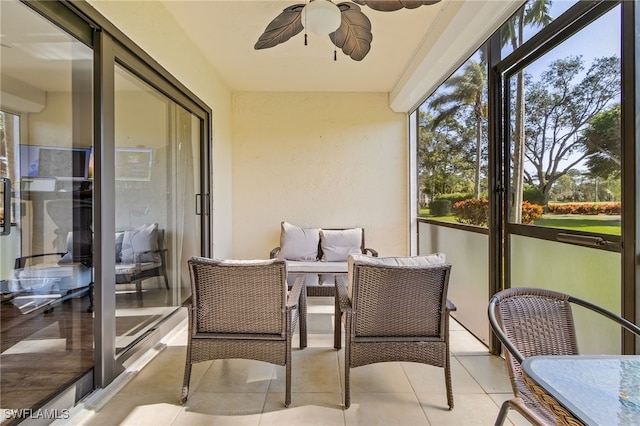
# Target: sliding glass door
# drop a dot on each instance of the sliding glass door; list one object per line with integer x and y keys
{"x": 46, "y": 128}
{"x": 104, "y": 168}
{"x": 156, "y": 176}
{"x": 564, "y": 166}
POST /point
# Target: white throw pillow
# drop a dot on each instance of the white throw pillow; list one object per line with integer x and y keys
{"x": 298, "y": 243}
{"x": 404, "y": 261}
{"x": 337, "y": 245}
{"x": 140, "y": 240}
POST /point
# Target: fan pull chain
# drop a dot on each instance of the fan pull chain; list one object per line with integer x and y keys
{"x": 335, "y": 55}
{"x": 305, "y": 22}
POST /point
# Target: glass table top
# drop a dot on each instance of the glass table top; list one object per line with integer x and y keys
{"x": 598, "y": 390}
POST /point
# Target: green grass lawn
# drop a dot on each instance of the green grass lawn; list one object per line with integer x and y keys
{"x": 601, "y": 224}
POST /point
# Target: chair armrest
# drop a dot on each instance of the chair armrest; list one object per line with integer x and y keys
{"x": 274, "y": 253}
{"x": 22, "y": 261}
{"x": 294, "y": 295}
{"x": 342, "y": 293}
{"x": 137, "y": 256}
{"x": 188, "y": 302}
{"x": 371, "y": 252}
{"x": 450, "y": 306}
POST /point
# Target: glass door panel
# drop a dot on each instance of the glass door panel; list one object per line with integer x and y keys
{"x": 46, "y": 272}
{"x": 156, "y": 173}
{"x": 564, "y": 201}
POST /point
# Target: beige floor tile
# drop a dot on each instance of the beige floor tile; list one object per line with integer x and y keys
{"x": 204, "y": 408}
{"x": 246, "y": 392}
{"x": 320, "y": 323}
{"x": 430, "y": 379}
{"x": 455, "y": 325}
{"x": 307, "y": 409}
{"x": 461, "y": 343}
{"x": 313, "y": 370}
{"x": 371, "y": 409}
{"x": 319, "y": 341}
{"x": 489, "y": 371}
{"x": 469, "y": 409}
{"x": 514, "y": 417}
{"x": 384, "y": 377}
{"x": 139, "y": 409}
{"x": 236, "y": 376}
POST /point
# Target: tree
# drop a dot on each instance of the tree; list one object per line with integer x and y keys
{"x": 558, "y": 111}
{"x": 443, "y": 163}
{"x": 468, "y": 92}
{"x": 535, "y": 14}
{"x": 602, "y": 143}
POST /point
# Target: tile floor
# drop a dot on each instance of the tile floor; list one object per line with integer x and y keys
{"x": 243, "y": 392}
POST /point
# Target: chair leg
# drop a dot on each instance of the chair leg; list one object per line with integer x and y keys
{"x": 518, "y": 405}
{"x": 139, "y": 289}
{"x": 347, "y": 390}
{"x": 90, "y": 308}
{"x": 302, "y": 318}
{"x": 187, "y": 377}
{"x": 447, "y": 379}
{"x": 287, "y": 396}
{"x": 347, "y": 360}
{"x": 502, "y": 414}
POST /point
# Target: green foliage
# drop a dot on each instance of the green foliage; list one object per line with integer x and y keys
{"x": 585, "y": 208}
{"x": 559, "y": 105}
{"x": 440, "y": 207}
{"x": 533, "y": 195}
{"x": 530, "y": 212}
{"x": 455, "y": 197}
{"x": 476, "y": 212}
{"x": 602, "y": 140}
{"x": 473, "y": 211}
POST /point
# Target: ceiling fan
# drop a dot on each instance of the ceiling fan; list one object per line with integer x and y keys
{"x": 348, "y": 28}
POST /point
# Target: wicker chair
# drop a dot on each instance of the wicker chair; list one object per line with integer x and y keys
{"x": 241, "y": 309}
{"x": 529, "y": 322}
{"x": 396, "y": 309}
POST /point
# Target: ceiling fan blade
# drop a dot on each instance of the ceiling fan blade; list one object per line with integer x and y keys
{"x": 391, "y": 5}
{"x": 282, "y": 28}
{"x": 354, "y": 34}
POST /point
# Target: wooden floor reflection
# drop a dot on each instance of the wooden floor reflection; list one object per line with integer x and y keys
{"x": 43, "y": 351}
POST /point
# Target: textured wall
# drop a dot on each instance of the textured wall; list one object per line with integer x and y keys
{"x": 318, "y": 159}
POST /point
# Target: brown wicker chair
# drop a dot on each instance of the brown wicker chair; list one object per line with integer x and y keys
{"x": 529, "y": 322}
{"x": 241, "y": 309}
{"x": 396, "y": 310}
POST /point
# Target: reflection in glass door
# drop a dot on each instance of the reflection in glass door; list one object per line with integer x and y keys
{"x": 565, "y": 199}
{"x": 156, "y": 175}
{"x": 46, "y": 271}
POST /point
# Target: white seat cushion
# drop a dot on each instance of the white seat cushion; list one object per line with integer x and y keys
{"x": 337, "y": 245}
{"x": 398, "y": 261}
{"x": 294, "y": 266}
{"x": 298, "y": 243}
{"x": 48, "y": 277}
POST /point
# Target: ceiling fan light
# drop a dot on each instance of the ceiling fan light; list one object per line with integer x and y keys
{"x": 321, "y": 17}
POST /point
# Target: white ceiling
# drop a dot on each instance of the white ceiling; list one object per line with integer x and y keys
{"x": 226, "y": 31}
{"x": 406, "y": 45}
{"x": 412, "y": 49}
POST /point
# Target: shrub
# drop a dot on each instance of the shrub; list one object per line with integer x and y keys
{"x": 530, "y": 212}
{"x": 440, "y": 207}
{"x": 532, "y": 194}
{"x": 585, "y": 208}
{"x": 476, "y": 212}
{"x": 472, "y": 211}
{"x": 455, "y": 197}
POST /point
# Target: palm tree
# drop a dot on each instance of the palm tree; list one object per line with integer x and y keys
{"x": 467, "y": 92}
{"x": 534, "y": 13}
